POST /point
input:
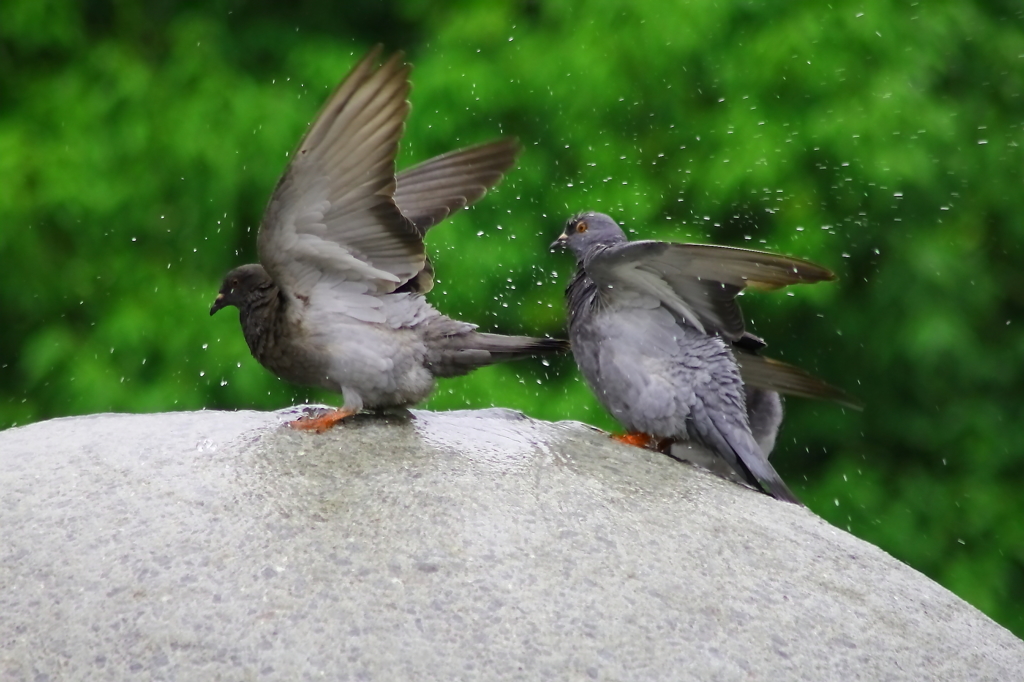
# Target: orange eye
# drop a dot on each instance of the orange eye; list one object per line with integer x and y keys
{"x": 581, "y": 226}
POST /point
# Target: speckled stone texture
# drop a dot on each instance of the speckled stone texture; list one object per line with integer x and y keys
{"x": 458, "y": 546}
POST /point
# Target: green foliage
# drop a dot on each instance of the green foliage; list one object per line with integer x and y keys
{"x": 137, "y": 149}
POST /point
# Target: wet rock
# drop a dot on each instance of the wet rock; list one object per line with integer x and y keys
{"x": 465, "y": 545}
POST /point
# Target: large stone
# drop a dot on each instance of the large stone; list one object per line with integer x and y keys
{"x": 473, "y": 545}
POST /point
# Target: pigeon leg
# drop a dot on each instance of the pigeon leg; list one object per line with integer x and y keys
{"x": 321, "y": 423}
{"x": 636, "y": 439}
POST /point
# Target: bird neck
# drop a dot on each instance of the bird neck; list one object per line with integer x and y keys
{"x": 260, "y": 316}
{"x": 579, "y": 294}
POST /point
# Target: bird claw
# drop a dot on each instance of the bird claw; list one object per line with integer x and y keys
{"x": 322, "y": 422}
{"x": 637, "y": 440}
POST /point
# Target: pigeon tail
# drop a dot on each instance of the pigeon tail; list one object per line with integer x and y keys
{"x": 736, "y": 445}
{"x": 463, "y": 354}
{"x": 759, "y": 471}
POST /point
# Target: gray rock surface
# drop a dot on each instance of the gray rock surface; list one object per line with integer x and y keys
{"x": 473, "y": 545}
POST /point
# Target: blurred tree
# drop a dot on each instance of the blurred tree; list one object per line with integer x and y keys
{"x": 138, "y": 144}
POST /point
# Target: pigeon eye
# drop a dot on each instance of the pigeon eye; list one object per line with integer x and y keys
{"x": 581, "y": 226}
{"x": 234, "y": 283}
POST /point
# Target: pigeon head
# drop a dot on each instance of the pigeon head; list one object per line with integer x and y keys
{"x": 586, "y": 230}
{"x": 239, "y": 285}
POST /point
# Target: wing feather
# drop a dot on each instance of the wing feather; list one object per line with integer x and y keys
{"x": 774, "y": 375}
{"x": 332, "y": 217}
{"x": 429, "y": 192}
{"x": 698, "y": 282}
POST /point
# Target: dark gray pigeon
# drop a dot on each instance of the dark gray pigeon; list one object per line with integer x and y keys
{"x": 337, "y": 300}
{"x": 659, "y": 338}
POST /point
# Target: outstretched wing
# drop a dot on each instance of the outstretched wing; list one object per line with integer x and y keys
{"x": 774, "y": 375}
{"x": 698, "y": 282}
{"x": 332, "y": 220}
{"x": 429, "y": 192}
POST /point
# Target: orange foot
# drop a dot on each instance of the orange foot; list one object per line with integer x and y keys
{"x": 321, "y": 423}
{"x": 639, "y": 440}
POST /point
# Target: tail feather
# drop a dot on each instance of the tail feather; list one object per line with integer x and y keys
{"x": 733, "y": 442}
{"x": 476, "y": 350}
{"x": 760, "y": 470}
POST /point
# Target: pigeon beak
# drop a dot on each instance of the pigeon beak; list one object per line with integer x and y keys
{"x": 218, "y": 303}
{"x": 559, "y": 243}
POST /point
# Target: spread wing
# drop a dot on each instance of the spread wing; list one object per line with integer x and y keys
{"x": 770, "y": 374}
{"x": 698, "y": 282}
{"x": 429, "y": 192}
{"x": 774, "y": 375}
{"x": 332, "y": 222}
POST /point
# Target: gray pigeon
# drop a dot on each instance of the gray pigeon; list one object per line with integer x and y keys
{"x": 337, "y": 300}
{"x": 659, "y": 338}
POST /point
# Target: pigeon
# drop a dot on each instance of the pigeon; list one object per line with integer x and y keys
{"x": 337, "y": 299}
{"x": 659, "y": 338}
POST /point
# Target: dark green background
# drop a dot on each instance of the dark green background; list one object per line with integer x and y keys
{"x": 139, "y": 142}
